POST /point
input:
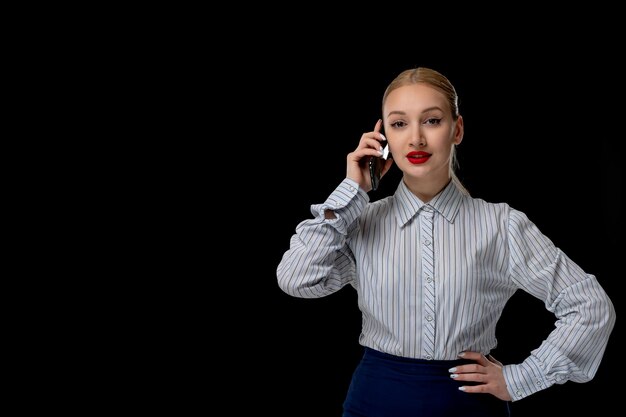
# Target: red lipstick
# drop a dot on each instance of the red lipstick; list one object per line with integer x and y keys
{"x": 418, "y": 157}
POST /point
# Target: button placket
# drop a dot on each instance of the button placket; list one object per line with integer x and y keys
{"x": 428, "y": 272}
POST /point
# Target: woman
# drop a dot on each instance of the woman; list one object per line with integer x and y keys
{"x": 434, "y": 267}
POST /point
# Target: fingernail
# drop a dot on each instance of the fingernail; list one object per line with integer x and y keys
{"x": 461, "y": 388}
{"x": 453, "y": 375}
{"x": 383, "y": 136}
{"x": 380, "y": 151}
{"x": 452, "y": 369}
{"x": 462, "y": 354}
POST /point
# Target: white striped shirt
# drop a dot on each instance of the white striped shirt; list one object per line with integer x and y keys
{"x": 433, "y": 279}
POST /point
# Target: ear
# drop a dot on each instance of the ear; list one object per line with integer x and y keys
{"x": 458, "y": 130}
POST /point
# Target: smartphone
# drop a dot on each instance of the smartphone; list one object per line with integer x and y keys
{"x": 377, "y": 164}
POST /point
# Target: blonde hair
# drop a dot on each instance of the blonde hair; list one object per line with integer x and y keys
{"x": 441, "y": 83}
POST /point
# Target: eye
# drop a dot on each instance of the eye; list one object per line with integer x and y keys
{"x": 432, "y": 121}
{"x": 398, "y": 124}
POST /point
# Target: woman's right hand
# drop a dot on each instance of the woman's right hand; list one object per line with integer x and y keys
{"x": 369, "y": 147}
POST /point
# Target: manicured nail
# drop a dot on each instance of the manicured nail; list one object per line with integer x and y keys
{"x": 461, "y": 388}
{"x": 452, "y": 369}
{"x": 382, "y": 136}
{"x": 462, "y": 354}
{"x": 453, "y": 375}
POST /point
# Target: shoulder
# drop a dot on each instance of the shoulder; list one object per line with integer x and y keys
{"x": 514, "y": 218}
{"x": 479, "y": 204}
{"x": 503, "y": 213}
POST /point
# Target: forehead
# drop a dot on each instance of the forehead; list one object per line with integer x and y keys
{"x": 415, "y": 98}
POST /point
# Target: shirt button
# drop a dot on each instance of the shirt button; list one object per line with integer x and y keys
{"x": 351, "y": 188}
{"x": 429, "y": 318}
{"x": 429, "y": 280}
{"x": 429, "y": 357}
{"x": 518, "y": 393}
{"x": 538, "y": 383}
{"x": 427, "y": 242}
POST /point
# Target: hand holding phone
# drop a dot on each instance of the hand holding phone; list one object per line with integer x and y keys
{"x": 377, "y": 164}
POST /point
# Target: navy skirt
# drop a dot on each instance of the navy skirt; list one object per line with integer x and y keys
{"x": 387, "y": 385}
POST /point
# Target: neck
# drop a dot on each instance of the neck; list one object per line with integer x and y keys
{"x": 426, "y": 190}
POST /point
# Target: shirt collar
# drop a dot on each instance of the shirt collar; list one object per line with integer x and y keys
{"x": 407, "y": 205}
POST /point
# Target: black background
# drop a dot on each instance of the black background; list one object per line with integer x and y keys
{"x": 222, "y": 134}
{"x": 543, "y": 135}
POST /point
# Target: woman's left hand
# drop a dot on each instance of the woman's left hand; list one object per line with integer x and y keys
{"x": 487, "y": 371}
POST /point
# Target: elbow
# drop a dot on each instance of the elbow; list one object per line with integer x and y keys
{"x": 603, "y": 322}
{"x": 286, "y": 285}
{"x": 605, "y": 313}
{"x": 299, "y": 291}
{"x": 294, "y": 283}
{"x": 290, "y": 283}
{"x": 609, "y": 315}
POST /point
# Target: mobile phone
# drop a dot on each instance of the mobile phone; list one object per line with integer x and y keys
{"x": 376, "y": 165}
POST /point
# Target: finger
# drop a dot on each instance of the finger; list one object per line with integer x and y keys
{"x": 474, "y": 356}
{"x": 377, "y": 127}
{"x": 379, "y": 124}
{"x": 494, "y": 360}
{"x": 473, "y": 377}
{"x": 474, "y": 388}
{"x": 468, "y": 369}
{"x": 367, "y": 141}
{"x": 361, "y": 153}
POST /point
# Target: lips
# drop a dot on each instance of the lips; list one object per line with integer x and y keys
{"x": 418, "y": 157}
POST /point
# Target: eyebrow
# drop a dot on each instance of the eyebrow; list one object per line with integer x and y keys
{"x": 423, "y": 111}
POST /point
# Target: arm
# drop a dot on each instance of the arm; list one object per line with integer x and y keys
{"x": 585, "y": 315}
{"x": 318, "y": 261}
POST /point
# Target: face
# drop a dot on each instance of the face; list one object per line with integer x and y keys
{"x": 421, "y": 131}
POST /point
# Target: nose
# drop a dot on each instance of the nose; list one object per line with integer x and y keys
{"x": 417, "y": 138}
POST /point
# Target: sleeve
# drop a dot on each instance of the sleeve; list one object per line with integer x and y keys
{"x": 585, "y": 316}
{"x": 318, "y": 261}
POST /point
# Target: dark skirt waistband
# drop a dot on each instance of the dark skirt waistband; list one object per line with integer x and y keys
{"x": 424, "y": 365}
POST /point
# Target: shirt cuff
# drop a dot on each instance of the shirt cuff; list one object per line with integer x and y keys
{"x": 524, "y": 379}
{"x": 347, "y": 201}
